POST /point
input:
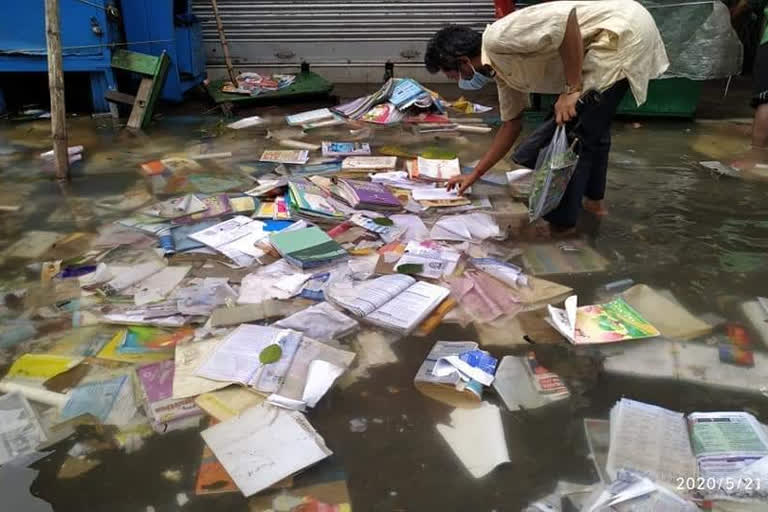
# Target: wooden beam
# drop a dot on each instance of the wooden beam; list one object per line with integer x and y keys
{"x": 56, "y": 86}
{"x": 224, "y": 44}
{"x": 141, "y": 114}
{"x": 119, "y": 97}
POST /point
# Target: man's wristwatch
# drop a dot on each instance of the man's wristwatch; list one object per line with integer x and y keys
{"x": 570, "y": 89}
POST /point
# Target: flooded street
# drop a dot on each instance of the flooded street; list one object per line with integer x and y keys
{"x": 698, "y": 240}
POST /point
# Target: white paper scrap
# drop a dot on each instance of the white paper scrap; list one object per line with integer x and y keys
{"x": 246, "y": 122}
{"x": 320, "y": 378}
{"x": 451, "y": 364}
{"x": 476, "y": 436}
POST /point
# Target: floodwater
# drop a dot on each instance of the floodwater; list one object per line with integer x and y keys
{"x": 671, "y": 225}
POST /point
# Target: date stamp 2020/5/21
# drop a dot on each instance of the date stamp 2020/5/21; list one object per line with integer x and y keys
{"x": 702, "y": 484}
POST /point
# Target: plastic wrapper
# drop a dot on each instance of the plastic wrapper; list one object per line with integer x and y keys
{"x": 701, "y": 44}
{"x": 554, "y": 169}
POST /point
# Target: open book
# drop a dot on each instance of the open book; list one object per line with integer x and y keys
{"x": 397, "y": 302}
{"x": 602, "y": 323}
{"x": 662, "y": 445}
{"x": 237, "y": 358}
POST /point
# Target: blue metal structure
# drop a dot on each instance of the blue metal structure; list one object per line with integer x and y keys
{"x": 86, "y": 32}
{"x": 91, "y": 29}
{"x": 175, "y": 30}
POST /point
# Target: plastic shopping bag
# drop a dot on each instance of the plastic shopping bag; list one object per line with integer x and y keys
{"x": 554, "y": 169}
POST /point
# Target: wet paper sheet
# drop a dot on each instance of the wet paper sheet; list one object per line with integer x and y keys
{"x": 484, "y": 298}
{"x": 158, "y": 285}
{"x": 476, "y": 436}
{"x": 20, "y": 430}
{"x": 573, "y": 257}
{"x": 265, "y": 445}
{"x": 651, "y": 440}
{"x": 322, "y": 322}
{"x": 224, "y": 404}
{"x": 468, "y": 227}
{"x": 664, "y": 312}
{"x": 189, "y": 356}
{"x": 313, "y": 371}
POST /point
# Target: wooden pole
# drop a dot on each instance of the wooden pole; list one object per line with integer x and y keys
{"x": 224, "y": 45}
{"x": 56, "y": 86}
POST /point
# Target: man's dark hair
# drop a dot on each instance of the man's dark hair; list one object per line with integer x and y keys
{"x": 448, "y": 44}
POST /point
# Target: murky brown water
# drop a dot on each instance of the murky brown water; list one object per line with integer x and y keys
{"x": 672, "y": 225}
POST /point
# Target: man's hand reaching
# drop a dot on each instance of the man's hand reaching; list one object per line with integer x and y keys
{"x": 565, "y": 108}
{"x": 461, "y": 183}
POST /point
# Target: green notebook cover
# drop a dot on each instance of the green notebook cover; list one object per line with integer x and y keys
{"x": 308, "y": 244}
{"x": 310, "y": 199}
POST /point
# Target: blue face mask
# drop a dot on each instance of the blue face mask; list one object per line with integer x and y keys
{"x": 478, "y": 81}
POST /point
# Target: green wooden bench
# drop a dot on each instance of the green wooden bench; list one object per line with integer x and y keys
{"x": 153, "y": 71}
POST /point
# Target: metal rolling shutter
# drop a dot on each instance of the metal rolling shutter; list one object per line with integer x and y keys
{"x": 351, "y": 39}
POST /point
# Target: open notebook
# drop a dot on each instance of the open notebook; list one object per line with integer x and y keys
{"x": 397, "y": 302}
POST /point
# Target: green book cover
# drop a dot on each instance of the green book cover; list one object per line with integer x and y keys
{"x": 310, "y": 199}
{"x": 308, "y": 244}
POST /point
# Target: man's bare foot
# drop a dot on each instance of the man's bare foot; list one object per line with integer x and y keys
{"x": 595, "y": 207}
{"x": 750, "y": 159}
{"x": 542, "y": 230}
{"x": 744, "y": 164}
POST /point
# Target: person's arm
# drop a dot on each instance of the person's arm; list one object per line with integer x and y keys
{"x": 572, "y": 53}
{"x": 502, "y": 143}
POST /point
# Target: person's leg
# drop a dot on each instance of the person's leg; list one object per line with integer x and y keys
{"x": 760, "y": 127}
{"x": 595, "y": 192}
{"x": 591, "y": 127}
{"x": 759, "y": 150}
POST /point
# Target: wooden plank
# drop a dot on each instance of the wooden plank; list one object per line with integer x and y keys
{"x": 120, "y": 97}
{"x": 56, "y": 87}
{"x": 137, "y": 62}
{"x": 138, "y": 120}
{"x": 224, "y": 44}
{"x": 163, "y": 64}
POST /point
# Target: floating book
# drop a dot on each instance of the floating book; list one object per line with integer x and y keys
{"x": 451, "y": 388}
{"x": 397, "y": 302}
{"x": 238, "y": 357}
{"x": 346, "y": 148}
{"x": 156, "y": 383}
{"x": 309, "y": 199}
{"x": 307, "y": 247}
{"x": 668, "y": 447}
{"x": 366, "y": 195}
{"x": 602, "y": 323}
{"x": 522, "y": 383}
{"x": 368, "y": 163}
{"x": 384, "y": 113}
{"x": 311, "y": 116}
{"x": 432, "y": 169}
{"x": 285, "y": 156}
